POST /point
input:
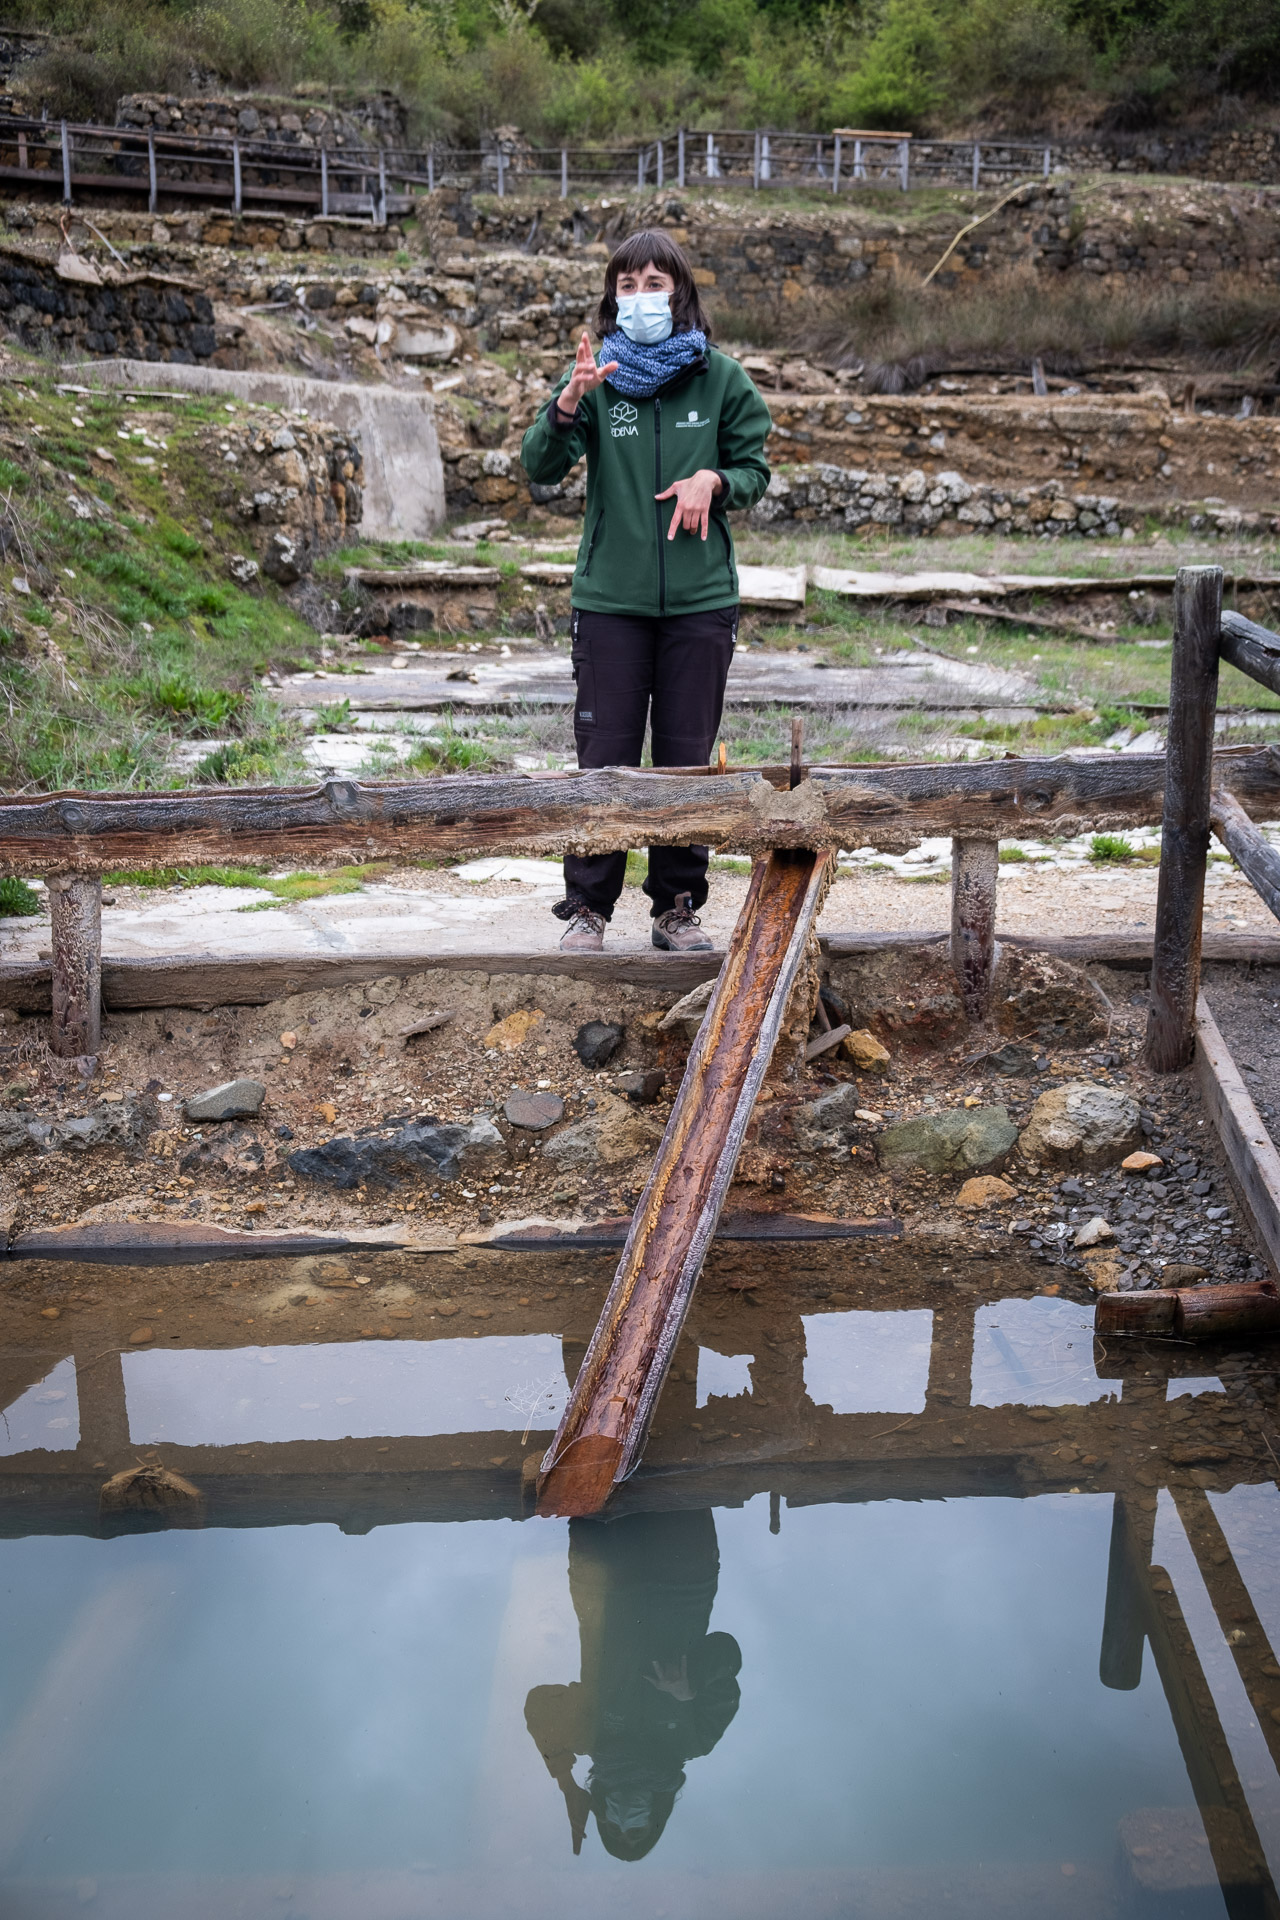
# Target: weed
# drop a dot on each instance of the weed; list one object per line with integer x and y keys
{"x": 1111, "y": 848}
{"x": 449, "y": 752}
{"x": 637, "y": 868}
{"x": 17, "y": 898}
{"x": 1012, "y": 856}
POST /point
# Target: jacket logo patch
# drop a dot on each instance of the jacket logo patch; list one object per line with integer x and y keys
{"x": 693, "y": 420}
{"x": 624, "y": 417}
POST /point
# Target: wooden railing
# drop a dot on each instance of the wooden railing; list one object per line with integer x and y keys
{"x": 70, "y": 158}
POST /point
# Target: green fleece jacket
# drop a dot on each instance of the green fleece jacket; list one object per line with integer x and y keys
{"x": 710, "y": 415}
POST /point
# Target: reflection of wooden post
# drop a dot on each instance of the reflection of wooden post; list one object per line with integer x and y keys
{"x": 974, "y": 867}
{"x": 75, "y": 905}
{"x": 1123, "y": 1629}
{"x": 1184, "y": 848}
{"x": 1234, "y": 1607}
{"x": 1241, "y": 1866}
{"x": 104, "y": 1417}
{"x": 951, "y": 1356}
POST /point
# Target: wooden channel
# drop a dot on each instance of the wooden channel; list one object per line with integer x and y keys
{"x": 603, "y": 1430}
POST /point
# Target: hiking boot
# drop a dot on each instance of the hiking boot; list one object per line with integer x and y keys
{"x": 679, "y": 930}
{"x": 585, "y": 933}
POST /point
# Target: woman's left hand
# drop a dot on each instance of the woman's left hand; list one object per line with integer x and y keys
{"x": 693, "y": 499}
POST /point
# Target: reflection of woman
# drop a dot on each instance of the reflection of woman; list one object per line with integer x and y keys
{"x": 656, "y": 1690}
{"x": 674, "y": 435}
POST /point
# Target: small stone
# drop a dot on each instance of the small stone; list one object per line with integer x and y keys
{"x": 596, "y": 1043}
{"x": 327, "y": 1111}
{"x": 985, "y": 1190}
{"x": 286, "y": 1133}
{"x": 422, "y": 1151}
{"x": 288, "y": 1041}
{"x": 956, "y": 1142}
{"x": 1094, "y": 1232}
{"x": 869, "y": 1116}
{"x": 1182, "y": 1274}
{"x": 1013, "y": 1061}
{"x": 615, "y": 1132}
{"x": 51, "y": 1313}
{"x": 534, "y": 1110}
{"x": 1082, "y": 1124}
{"x": 233, "y": 1100}
{"x": 1141, "y": 1162}
{"x": 866, "y": 1052}
{"x": 140, "y": 1336}
{"x": 512, "y": 1032}
{"x": 147, "y": 1489}
{"x": 641, "y": 1088}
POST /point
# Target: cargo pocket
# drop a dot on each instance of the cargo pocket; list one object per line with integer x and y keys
{"x": 584, "y": 676}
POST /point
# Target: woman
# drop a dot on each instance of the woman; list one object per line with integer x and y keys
{"x": 674, "y": 436}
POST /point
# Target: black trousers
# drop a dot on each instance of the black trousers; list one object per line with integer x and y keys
{"x": 631, "y": 671}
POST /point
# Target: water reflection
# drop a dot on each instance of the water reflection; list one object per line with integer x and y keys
{"x": 45, "y": 1417}
{"x": 1035, "y": 1353}
{"x": 656, "y": 1689}
{"x": 868, "y": 1362}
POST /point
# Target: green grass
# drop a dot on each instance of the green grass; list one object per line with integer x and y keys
{"x": 450, "y": 752}
{"x": 289, "y": 886}
{"x": 17, "y": 898}
{"x": 1111, "y": 848}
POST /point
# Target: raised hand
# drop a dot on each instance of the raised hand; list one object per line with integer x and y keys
{"x": 586, "y": 376}
{"x": 693, "y": 499}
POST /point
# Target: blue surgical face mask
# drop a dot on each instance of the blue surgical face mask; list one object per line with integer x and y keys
{"x": 645, "y": 318}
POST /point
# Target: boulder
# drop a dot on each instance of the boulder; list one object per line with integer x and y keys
{"x": 421, "y": 1152}
{"x": 596, "y": 1043}
{"x": 973, "y": 1140}
{"x": 615, "y": 1132}
{"x": 233, "y": 1100}
{"x": 1081, "y": 1124}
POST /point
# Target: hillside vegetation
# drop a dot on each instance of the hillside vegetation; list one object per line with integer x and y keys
{"x": 580, "y": 70}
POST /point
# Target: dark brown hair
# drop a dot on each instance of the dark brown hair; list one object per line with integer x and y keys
{"x": 652, "y": 247}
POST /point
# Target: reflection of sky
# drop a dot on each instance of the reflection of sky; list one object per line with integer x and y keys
{"x": 1036, "y": 1353}
{"x": 358, "y": 1390}
{"x": 1194, "y": 1383}
{"x": 868, "y": 1362}
{"x": 46, "y": 1416}
{"x": 342, "y": 1716}
{"x": 722, "y": 1373}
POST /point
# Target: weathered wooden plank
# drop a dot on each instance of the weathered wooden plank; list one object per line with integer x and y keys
{"x": 604, "y": 1426}
{"x": 1253, "y": 649}
{"x": 1245, "y": 1140}
{"x": 1256, "y": 858}
{"x": 75, "y": 913}
{"x": 886, "y": 806}
{"x": 1233, "y": 1603}
{"x": 1192, "y": 1313}
{"x": 1184, "y": 850}
{"x": 975, "y": 865}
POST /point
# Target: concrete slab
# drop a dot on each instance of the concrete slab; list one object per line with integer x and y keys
{"x": 856, "y": 585}
{"x": 781, "y": 587}
{"x": 485, "y": 683}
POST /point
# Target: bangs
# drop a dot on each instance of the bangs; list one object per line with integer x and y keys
{"x": 651, "y": 247}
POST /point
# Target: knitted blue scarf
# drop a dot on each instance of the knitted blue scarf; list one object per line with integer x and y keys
{"x": 642, "y": 370}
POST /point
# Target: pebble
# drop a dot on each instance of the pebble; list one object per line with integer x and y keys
{"x": 140, "y": 1336}
{"x": 867, "y": 1053}
{"x": 1141, "y": 1162}
{"x": 985, "y": 1190}
{"x": 533, "y": 1110}
{"x": 642, "y": 1088}
{"x": 233, "y": 1100}
{"x": 1094, "y": 1232}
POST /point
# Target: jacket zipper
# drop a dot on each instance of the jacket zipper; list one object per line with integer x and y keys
{"x": 657, "y": 505}
{"x": 591, "y": 544}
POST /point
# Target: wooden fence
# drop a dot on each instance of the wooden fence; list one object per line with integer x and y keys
{"x": 69, "y": 158}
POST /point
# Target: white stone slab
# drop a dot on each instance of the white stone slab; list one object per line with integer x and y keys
{"x": 534, "y": 873}
{"x": 771, "y": 586}
{"x": 902, "y": 586}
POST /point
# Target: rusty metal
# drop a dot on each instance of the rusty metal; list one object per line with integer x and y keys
{"x": 603, "y": 1431}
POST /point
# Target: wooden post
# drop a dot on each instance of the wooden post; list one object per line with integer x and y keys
{"x": 236, "y": 195}
{"x": 324, "y": 184}
{"x": 382, "y": 189}
{"x": 977, "y": 165}
{"x": 66, "y": 166}
{"x": 797, "y": 753}
{"x": 564, "y": 173}
{"x": 153, "y": 200}
{"x": 835, "y": 168}
{"x": 660, "y": 162}
{"x": 680, "y": 156}
{"x": 1193, "y": 698}
{"x": 975, "y": 865}
{"x": 755, "y": 160}
{"x": 75, "y": 904}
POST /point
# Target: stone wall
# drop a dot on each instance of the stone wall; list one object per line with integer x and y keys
{"x": 380, "y": 120}
{"x": 292, "y": 484}
{"x": 146, "y": 316}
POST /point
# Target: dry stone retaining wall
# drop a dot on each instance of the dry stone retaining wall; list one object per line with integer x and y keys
{"x": 286, "y": 121}
{"x": 148, "y": 317}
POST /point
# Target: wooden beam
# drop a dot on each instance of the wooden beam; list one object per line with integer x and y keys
{"x": 1184, "y": 850}
{"x": 1245, "y": 1140}
{"x": 975, "y": 865}
{"x": 1233, "y": 1603}
{"x": 886, "y": 806}
{"x": 1252, "y": 852}
{"x": 600, "y": 1438}
{"x": 1253, "y": 649}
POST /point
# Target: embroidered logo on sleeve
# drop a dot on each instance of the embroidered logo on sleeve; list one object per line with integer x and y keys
{"x": 693, "y": 420}
{"x": 624, "y": 417}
